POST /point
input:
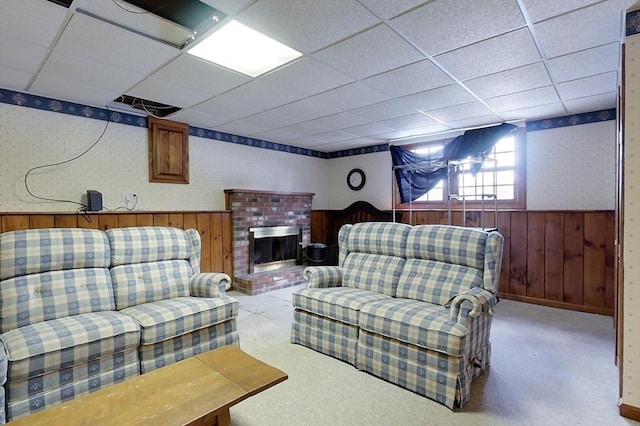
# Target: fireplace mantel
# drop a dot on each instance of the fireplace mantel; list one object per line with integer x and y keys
{"x": 255, "y": 191}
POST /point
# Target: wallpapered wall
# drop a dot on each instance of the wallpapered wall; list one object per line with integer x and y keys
{"x": 119, "y": 162}
{"x": 568, "y": 168}
{"x": 562, "y": 164}
{"x": 572, "y": 168}
{"x": 631, "y": 254}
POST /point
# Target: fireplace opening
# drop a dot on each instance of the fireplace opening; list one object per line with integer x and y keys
{"x": 274, "y": 247}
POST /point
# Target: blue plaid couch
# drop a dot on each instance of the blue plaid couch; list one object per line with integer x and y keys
{"x": 81, "y": 309}
{"x": 409, "y": 304}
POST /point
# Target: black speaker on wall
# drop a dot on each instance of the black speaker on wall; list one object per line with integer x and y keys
{"x": 94, "y": 201}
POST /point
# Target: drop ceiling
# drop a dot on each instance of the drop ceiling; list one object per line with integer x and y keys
{"x": 372, "y": 71}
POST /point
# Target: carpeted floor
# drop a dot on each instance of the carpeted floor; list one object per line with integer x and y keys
{"x": 548, "y": 367}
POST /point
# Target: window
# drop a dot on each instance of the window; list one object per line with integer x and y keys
{"x": 501, "y": 176}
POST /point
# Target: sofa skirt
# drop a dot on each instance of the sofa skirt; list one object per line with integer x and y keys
{"x": 330, "y": 337}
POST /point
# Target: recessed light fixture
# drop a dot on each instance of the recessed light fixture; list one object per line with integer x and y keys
{"x": 243, "y": 49}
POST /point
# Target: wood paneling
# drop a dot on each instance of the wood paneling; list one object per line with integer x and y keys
{"x": 214, "y": 228}
{"x": 556, "y": 258}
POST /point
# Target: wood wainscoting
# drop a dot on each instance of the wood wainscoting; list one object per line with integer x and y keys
{"x": 563, "y": 259}
{"x": 214, "y": 228}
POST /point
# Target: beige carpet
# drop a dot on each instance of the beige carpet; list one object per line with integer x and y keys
{"x": 548, "y": 367}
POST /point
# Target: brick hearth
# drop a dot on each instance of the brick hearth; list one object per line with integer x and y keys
{"x": 251, "y": 208}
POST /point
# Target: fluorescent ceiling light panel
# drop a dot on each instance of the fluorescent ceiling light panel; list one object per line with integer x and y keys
{"x": 242, "y": 49}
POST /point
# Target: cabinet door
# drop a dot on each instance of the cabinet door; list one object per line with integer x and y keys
{"x": 168, "y": 151}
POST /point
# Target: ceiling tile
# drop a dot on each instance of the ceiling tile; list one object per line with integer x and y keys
{"x": 226, "y": 108}
{"x": 86, "y": 72}
{"x": 341, "y": 121}
{"x": 369, "y": 129}
{"x": 438, "y": 98}
{"x": 110, "y": 45}
{"x": 414, "y": 78}
{"x": 334, "y": 136}
{"x": 262, "y": 95}
{"x": 307, "y": 25}
{"x": 72, "y": 91}
{"x": 510, "y": 81}
{"x": 592, "y": 103}
{"x": 351, "y": 96}
{"x": 34, "y": 21}
{"x": 567, "y": 33}
{"x": 441, "y": 25}
{"x": 306, "y": 109}
{"x": 372, "y": 52}
{"x": 386, "y": 9}
{"x": 529, "y": 98}
{"x": 594, "y": 85}
{"x": 21, "y": 55}
{"x": 240, "y": 128}
{"x": 136, "y": 19}
{"x": 539, "y": 10}
{"x": 536, "y": 112}
{"x": 305, "y": 129}
{"x": 199, "y": 119}
{"x": 306, "y": 77}
{"x": 384, "y": 110}
{"x": 507, "y": 51}
{"x": 276, "y": 135}
{"x": 193, "y": 73}
{"x": 14, "y": 79}
{"x": 585, "y": 63}
{"x": 474, "y": 122}
{"x": 408, "y": 122}
{"x": 458, "y": 112}
{"x": 273, "y": 118}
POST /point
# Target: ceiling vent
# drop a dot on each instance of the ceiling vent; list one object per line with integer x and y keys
{"x": 152, "y": 108}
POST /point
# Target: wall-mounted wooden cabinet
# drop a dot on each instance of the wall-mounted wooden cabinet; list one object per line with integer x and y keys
{"x": 168, "y": 151}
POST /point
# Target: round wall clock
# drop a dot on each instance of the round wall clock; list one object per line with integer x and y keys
{"x": 356, "y": 179}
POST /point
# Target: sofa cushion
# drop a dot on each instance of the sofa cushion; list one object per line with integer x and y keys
{"x": 372, "y": 272}
{"x": 37, "y": 349}
{"x": 45, "y": 296}
{"x": 147, "y": 244}
{"x": 435, "y": 282}
{"x": 384, "y": 238}
{"x": 149, "y": 282}
{"x": 165, "y": 319}
{"x": 338, "y": 303}
{"x": 416, "y": 323}
{"x": 39, "y": 250}
{"x": 448, "y": 244}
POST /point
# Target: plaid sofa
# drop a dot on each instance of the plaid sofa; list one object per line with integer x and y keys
{"x": 409, "y": 304}
{"x": 81, "y": 309}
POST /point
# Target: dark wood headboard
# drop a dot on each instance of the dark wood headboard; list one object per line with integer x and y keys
{"x": 325, "y": 224}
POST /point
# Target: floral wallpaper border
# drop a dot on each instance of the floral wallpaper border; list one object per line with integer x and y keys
{"x": 47, "y": 104}
{"x": 572, "y": 120}
{"x": 633, "y": 22}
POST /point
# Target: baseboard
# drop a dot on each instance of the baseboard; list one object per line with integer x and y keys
{"x": 630, "y": 412}
{"x": 557, "y": 304}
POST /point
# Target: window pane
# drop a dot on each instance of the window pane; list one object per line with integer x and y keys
{"x": 506, "y": 159}
{"x": 506, "y": 144}
{"x": 505, "y": 177}
{"x": 506, "y": 192}
{"x": 436, "y": 193}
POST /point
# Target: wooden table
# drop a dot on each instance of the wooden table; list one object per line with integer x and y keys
{"x": 196, "y": 391}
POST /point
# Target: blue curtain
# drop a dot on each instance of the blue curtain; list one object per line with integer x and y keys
{"x": 418, "y": 174}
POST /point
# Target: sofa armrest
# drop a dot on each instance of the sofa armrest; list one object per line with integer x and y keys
{"x": 477, "y": 301}
{"x": 209, "y": 284}
{"x": 323, "y": 276}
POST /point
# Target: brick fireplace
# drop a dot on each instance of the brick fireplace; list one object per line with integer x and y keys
{"x": 253, "y": 209}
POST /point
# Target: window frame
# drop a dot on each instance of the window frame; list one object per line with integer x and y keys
{"x": 518, "y": 202}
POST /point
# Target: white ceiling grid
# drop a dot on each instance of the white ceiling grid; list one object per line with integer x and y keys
{"x": 372, "y": 71}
